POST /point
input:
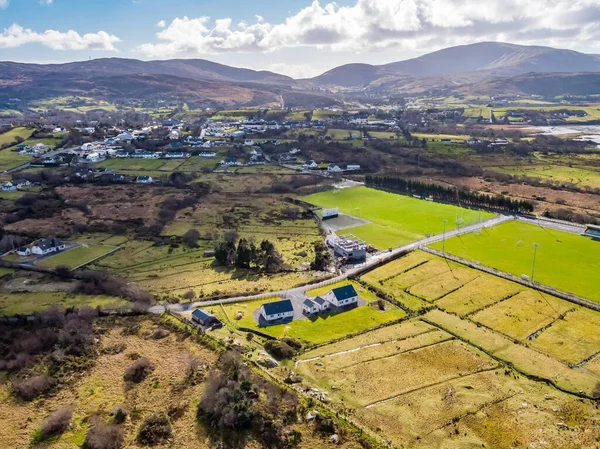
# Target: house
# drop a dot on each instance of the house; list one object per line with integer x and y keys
{"x": 208, "y": 154}
{"x": 9, "y": 187}
{"x": 352, "y": 167}
{"x": 21, "y": 183}
{"x": 321, "y": 303}
{"x": 122, "y": 154}
{"x": 93, "y": 157}
{"x": 22, "y": 146}
{"x": 144, "y": 155}
{"x": 249, "y": 143}
{"x": 204, "y": 318}
{"x": 343, "y": 296}
{"x": 310, "y": 307}
{"x": 124, "y": 137}
{"x": 176, "y": 155}
{"x": 334, "y": 168}
{"x": 24, "y": 252}
{"x": 230, "y": 161}
{"x": 87, "y": 147}
{"x": 312, "y": 165}
{"x": 47, "y": 246}
{"x": 279, "y": 310}
{"x": 144, "y": 180}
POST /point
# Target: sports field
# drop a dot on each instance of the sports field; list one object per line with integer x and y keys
{"x": 565, "y": 261}
{"x": 395, "y": 219}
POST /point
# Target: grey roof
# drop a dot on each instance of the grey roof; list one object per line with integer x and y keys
{"x": 283, "y": 306}
{"x": 309, "y": 303}
{"x": 345, "y": 292}
{"x": 202, "y": 315}
{"x": 319, "y": 300}
{"x": 49, "y": 243}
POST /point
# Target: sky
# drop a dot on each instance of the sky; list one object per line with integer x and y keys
{"x": 299, "y": 38}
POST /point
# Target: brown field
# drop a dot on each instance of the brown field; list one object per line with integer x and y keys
{"x": 396, "y": 267}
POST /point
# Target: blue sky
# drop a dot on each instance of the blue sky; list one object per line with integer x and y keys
{"x": 296, "y": 37}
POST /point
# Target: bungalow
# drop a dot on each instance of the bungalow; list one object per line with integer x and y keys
{"x": 279, "y": 310}
{"x": 93, "y": 157}
{"x": 47, "y": 246}
{"x": 21, "y": 183}
{"x": 22, "y": 146}
{"x": 334, "y": 168}
{"x": 144, "y": 180}
{"x": 24, "y": 251}
{"x": 122, "y": 154}
{"x": 473, "y": 141}
{"x": 321, "y": 303}
{"x": 124, "y": 137}
{"x": 9, "y": 187}
{"x": 176, "y": 155}
{"x": 144, "y": 155}
{"x": 207, "y": 154}
{"x": 309, "y": 307}
{"x": 204, "y": 318}
{"x": 343, "y": 296}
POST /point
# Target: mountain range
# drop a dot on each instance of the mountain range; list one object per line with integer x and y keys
{"x": 485, "y": 68}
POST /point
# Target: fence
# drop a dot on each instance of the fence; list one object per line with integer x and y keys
{"x": 511, "y": 277}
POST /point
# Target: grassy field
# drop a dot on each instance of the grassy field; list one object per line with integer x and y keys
{"x": 395, "y": 219}
{"x": 12, "y": 134}
{"x": 77, "y": 256}
{"x": 579, "y": 175}
{"x": 438, "y": 137}
{"x": 566, "y": 261}
{"x": 342, "y": 134}
{"x": 30, "y": 302}
{"x": 11, "y": 159}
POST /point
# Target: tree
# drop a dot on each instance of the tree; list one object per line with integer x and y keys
{"x": 322, "y": 258}
{"x": 190, "y": 238}
{"x": 55, "y": 424}
{"x": 272, "y": 260}
{"x": 244, "y": 254}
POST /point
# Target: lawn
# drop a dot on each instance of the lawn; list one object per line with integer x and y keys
{"x": 565, "y": 261}
{"x": 26, "y": 303}
{"x": 75, "y": 257}
{"x": 395, "y": 219}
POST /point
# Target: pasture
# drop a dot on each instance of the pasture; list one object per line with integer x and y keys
{"x": 76, "y": 256}
{"x": 30, "y": 302}
{"x": 10, "y": 159}
{"x": 565, "y": 261}
{"x": 10, "y": 135}
{"x": 395, "y": 219}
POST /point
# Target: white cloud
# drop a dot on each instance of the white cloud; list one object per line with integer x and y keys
{"x": 16, "y": 36}
{"x": 368, "y": 25}
{"x": 3, "y": 4}
{"x": 161, "y": 24}
{"x": 297, "y": 71}
{"x": 46, "y": 2}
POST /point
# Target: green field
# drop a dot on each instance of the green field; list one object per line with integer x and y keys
{"x": 565, "y": 261}
{"x": 579, "y": 175}
{"x": 26, "y": 303}
{"x": 395, "y": 219}
{"x": 12, "y": 134}
{"x": 75, "y": 257}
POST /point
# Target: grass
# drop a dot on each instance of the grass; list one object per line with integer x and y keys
{"x": 572, "y": 339}
{"x": 579, "y": 175}
{"x": 31, "y": 302}
{"x": 342, "y": 134}
{"x": 76, "y": 256}
{"x": 565, "y": 261}
{"x": 11, "y": 135}
{"x": 10, "y": 159}
{"x": 396, "y": 219}
{"x": 437, "y": 137}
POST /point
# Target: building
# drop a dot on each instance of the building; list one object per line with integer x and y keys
{"x": 321, "y": 303}
{"x": 592, "y": 231}
{"x": 310, "y": 307}
{"x": 24, "y": 251}
{"x": 47, "y": 246}
{"x": 21, "y": 183}
{"x": 350, "y": 248}
{"x": 204, "y": 318}
{"x": 176, "y": 155}
{"x": 343, "y": 296}
{"x": 276, "y": 311}
{"x": 208, "y": 154}
{"x": 144, "y": 180}
{"x": 9, "y": 187}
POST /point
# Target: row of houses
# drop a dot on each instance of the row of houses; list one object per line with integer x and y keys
{"x": 341, "y": 297}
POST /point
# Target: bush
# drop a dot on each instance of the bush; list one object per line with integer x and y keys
{"x": 33, "y": 387}
{"x": 154, "y": 429}
{"x": 292, "y": 343}
{"x": 55, "y": 424}
{"x": 138, "y": 370}
{"x": 119, "y": 414}
{"x": 279, "y": 349}
{"x": 189, "y": 295}
{"x": 190, "y": 238}
{"x": 103, "y": 436}
{"x": 160, "y": 333}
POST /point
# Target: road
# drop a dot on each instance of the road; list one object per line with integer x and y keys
{"x": 565, "y": 226}
{"x": 346, "y": 273}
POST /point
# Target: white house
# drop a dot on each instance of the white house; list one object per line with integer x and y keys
{"x": 321, "y": 303}
{"x": 249, "y": 143}
{"x": 208, "y": 154}
{"x": 343, "y": 296}
{"x": 93, "y": 157}
{"x": 8, "y": 187}
{"x": 334, "y": 168}
{"x": 87, "y": 147}
{"x": 24, "y": 252}
{"x": 47, "y": 246}
{"x": 279, "y": 310}
{"x": 144, "y": 180}
{"x": 124, "y": 137}
{"x": 309, "y": 307}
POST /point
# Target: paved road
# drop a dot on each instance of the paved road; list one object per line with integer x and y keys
{"x": 565, "y": 226}
{"x": 346, "y": 273}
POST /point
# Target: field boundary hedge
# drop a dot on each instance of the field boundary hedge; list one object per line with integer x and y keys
{"x": 511, "y": 277}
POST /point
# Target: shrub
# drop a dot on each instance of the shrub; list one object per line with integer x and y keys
{"x": 119, "y": 414}
{"x": 33, "y": 387}
{"x": 138, "y": 370}
{"x": 160, "y": 333}
{"x": 55, "y": 424}
{"x": 103, "y": 436}
{"x": 292, "y": 343}
{"x": 154, "y": 429}
{"x": 279, "y": 349}
{"x": 190, "y": 238}
{"x": 189, "y": 295}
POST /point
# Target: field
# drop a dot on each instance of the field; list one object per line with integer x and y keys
{"x": 11, "y": 159}
{"x": 319, "y": 329}
{"x": 579, "y": 175}
{"x": 565, "y": 261}
{"x": 12, "y": 134}
{"x": 395, "y": 219}
{"x": 76, "y": 257}
{"x": 30, "y": 302}
{"x": 342, "y": 134}
{"x": 593, "y": 112}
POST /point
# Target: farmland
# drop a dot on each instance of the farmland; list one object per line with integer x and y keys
{"x": 565, "y": 261}
{"x": 76, "y": 257}
{"x": 395, "y": 219}
{"x": 30, "y": 302}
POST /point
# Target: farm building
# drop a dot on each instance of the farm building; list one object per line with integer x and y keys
{"x": 279, "y": 310}
{"x": 204, "y": 318}
{"x": 343, "y": 296}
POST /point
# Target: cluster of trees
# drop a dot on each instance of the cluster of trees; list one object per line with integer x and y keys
{"x": 44, "y": 205}
{"x": 247, "y": 254}
{"x": 322, "y": 258}
{"x": 236, "y": 403}
{"x": 448, "y": 194}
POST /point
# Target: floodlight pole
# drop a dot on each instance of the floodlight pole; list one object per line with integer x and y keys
{"x": 535, "y": 247}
